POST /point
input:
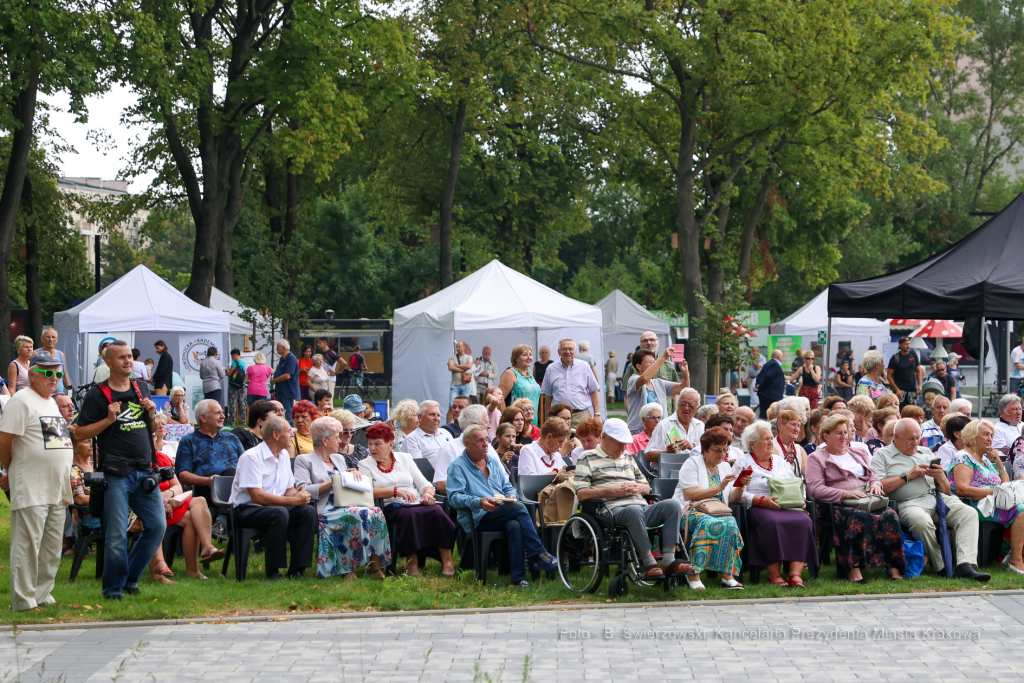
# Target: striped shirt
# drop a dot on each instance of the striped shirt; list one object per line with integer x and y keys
{"x": 595, "y": 469}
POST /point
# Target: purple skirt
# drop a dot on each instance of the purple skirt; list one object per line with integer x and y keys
{"x": 420, "y": 528}
{"x": 780, "y": 536}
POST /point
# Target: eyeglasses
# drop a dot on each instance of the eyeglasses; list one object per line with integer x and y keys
{"x": 49, "y": 374}
{"x": 653, "y": 418}
{"x": 691, "y": 406}
{"x": 718, "y": 450}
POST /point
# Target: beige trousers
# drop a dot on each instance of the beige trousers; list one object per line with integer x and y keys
{"x": 579, "y": 416}
{"x": 36, "y": 540}
{"x": 963, "y": 519}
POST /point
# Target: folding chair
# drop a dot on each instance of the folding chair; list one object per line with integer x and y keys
{"x": 238, "y": 539}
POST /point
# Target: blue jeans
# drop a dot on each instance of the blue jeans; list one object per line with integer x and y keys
{"x": 216, "y": 395}
{"x": 458, "y": 390}
{"x": 287, "y": 403}
{"x": 514, "y": 520}
{"x": 122, "y": 569}
{"x": 252, "y": 398}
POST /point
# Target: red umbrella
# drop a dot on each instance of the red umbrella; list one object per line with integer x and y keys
{"x": 942, "y": 329}
{"x": 906, "y": 322}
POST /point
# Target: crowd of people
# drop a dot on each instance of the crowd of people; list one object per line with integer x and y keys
{"x": 882, "y": 454}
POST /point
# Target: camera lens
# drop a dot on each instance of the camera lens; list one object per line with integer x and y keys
{"x": 149, "y": 484}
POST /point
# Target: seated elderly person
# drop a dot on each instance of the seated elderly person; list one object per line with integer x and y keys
{"x": 350, "y": 536}
{"x": 841, "y": 471}
{"x": 193, "y": 516}
{"x": 812, "y": 435}
{"x": 179, "y": 409}
{"x": 650, "y": 416}
{"x": 606, "y": 472}
{"x": 862, "y": 408}
{"x": 879, "y": 419}
{"x": 207, "y": 451}
{"x": 421, "y": 525}
{"x": 704, "y": 412}
{"x": 477, "y": 486}
{"x": 265, "y": 497}
{"x": 789, "y": 424}
{"x": 725, "y": 422}
{"x": 742, "y": 417}
{"x": 961, "y": 405}
{"x": 470, "y": 415}
{"x": 933, "y": 427}
{"x": 545, "y": 455}
{"x": 404, "y": 421}
{"x": 426, "y": 440}
{"x": 779, "y": 535}
{"x": 1008, "y": 427}
{"x": 977, "y": 470}
{"x": 352, "y": 452}
{"x": 713, "y": 542}
{"x": 952, "y": 427}
{"x": 249, "y": 436}
{"x": 588, "y": 434}
{"x": 913, "y": 413}
{"x": 911, "y": 476}
{"x": 681, "y": 431}
{"x": 726, "y": 403}
{"x": 303, "y": 414}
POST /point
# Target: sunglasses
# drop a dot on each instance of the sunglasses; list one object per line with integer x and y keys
{"x": 49, "y": 374}
{"x": 350, "y": 432}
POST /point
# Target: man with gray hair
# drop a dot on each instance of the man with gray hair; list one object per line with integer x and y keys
{"x": 961, "y": 405}
{"x": 912, "y": 476}
{"x": 1008, "y": 427}
{"x": 207, "y": 452}
{"x": 471, "y": 415}
{"x": 427, "y": 439}
{"x": 571, "y": 381}
{"x": 681, "y": 432}
{"x": 286, "y": 377}
{"x": 265, "y": 497}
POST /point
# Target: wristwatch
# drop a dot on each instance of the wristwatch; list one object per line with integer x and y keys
{"x": 904, "y": 477}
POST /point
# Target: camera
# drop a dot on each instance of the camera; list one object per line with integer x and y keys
{"x": 96, "y": 481}
{"x": 156, "y": 477}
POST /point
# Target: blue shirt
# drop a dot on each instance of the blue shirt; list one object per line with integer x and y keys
{"x": 204, "y": 456}
{"x": 288, "y": 365}
{"x": 466, "y": 485}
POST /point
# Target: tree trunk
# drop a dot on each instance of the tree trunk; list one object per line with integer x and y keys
{"x": 204, "y": 258}
{"x": 716, "y": 258}
{"x": 270, "y": 195}
{"x": 24, "y": 111}
{"x": 689, "y": 252}
{"x": 749, "y": 232}
{"x": 33, "y": 299}
{"x": 225, "y": 271}
{"x": 449, "y": 194}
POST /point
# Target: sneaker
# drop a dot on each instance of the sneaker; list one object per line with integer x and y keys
{"x": 545, "y": 562}
{"x": 522, "y": 584}
{"x": 217, "y": 530}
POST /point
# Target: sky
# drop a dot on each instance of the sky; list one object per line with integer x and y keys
{"x": 89, "y": 160}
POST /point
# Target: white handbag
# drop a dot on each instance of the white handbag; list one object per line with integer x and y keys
{"x": 349, "y": 497}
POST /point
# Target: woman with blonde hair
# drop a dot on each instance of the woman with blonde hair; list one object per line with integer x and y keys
{"x": 404, "y": 421}
{"x": 517, "y": 381}
{"x": 862, "y": 408}
{"x": 352, "y": 452}
{"x": 257, "y": 376}
{"x": 888, "y": 400}
{"x": 17, "y": 371}
{"x": 530, "y": 429}
{"x": 178, "y": 412}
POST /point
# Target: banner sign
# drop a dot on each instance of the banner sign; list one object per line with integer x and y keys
{"x": 788, "y": 344}
{"x": 192, "y": 349}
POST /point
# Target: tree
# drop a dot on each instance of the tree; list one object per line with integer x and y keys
{"x": 725, "y": 82}
{"x": 216, "y": 79}
{"x": 48, "y": 46}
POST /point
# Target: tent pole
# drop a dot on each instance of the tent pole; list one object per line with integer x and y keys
{"x": 823, "y": 385}
{"x": 981, "y": 371}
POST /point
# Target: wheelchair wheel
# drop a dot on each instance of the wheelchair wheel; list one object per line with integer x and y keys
{"x": 618, "y": 587}
{"x": 580, "y": 547}
{"x": 631, "y": 563}
{"x": 670, "y": 583}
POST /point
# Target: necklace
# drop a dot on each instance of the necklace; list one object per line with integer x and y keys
{"x": 385, "y": 471}
{"x": 758, "y": 463}
{"x": 546, "y": 463}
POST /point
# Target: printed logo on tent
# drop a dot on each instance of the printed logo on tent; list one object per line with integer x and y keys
{"x": 194, "y": 353}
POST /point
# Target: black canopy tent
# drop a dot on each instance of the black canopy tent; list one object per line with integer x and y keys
{"x": 981, "y": 275}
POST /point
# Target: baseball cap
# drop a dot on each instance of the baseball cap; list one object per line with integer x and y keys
{"x": 903, "y": 339}
{"x": 42, "y": 357}
{"x": 617, "y": 429}
{"x": 953, "y": 356}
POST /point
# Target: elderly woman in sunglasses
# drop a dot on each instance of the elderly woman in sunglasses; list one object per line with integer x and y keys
{"x": 352, "y": 453}
{"x": 650, "y": 416}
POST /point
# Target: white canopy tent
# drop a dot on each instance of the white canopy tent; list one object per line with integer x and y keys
{"x": 496, "y": 307}
{"x": 140, "y": 308}
{"x": 813, "y": 318}
{"x": 624, "y": 320}
{"x": 219, "y": 301}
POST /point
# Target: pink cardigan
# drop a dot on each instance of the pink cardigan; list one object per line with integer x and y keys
{"x": 826, "y": 480}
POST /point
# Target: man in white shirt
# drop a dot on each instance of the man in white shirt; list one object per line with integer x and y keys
{"x": 471, "y": 415}
{"x": 680, "y": 433}
{"x": 36, "y": 448}
{"x": 427, "y": 439}
{"x": 487, "y": 375}
{"x": 1008, "y": 427}
{"x": 1017, "y": 358}
{"x": 933, "y": 427}
{"x": 544, "y": 455}
{"x": 572, "y": 381}
{"x": 264, "y": 496}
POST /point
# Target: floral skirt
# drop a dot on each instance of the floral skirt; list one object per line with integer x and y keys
{"x": 347, "y": 538}
{"x": 867, "y": 539}
{"x": 715, "y": 543}
{"x": 1004, "y": 517}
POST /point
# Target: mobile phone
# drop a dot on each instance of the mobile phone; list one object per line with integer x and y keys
{"x": 936, "y": 462}
{"x": 746, "y": 472}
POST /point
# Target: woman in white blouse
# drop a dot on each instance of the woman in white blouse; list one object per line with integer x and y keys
{"x": 420, "y": 523}
{"x": 544, "y": 456}
{"x": 774, "y": 535}
{"x": 713, "y": 542}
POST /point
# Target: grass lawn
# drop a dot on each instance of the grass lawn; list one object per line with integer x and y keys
{"x": 218, "y": 597}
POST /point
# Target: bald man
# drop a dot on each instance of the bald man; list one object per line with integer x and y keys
{"x": 770, "y": 385}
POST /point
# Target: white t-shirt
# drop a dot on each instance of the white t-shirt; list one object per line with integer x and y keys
{"x": 41, "y": 451}
{"x": 849, "y": 463}
{"x": 655, "y": 391}
{"x": 1017, "y": 356}
{"x": 532, "y": 457}
{"x": 1005, "y": 434}
{"x": 139, "y": 370}
{"x": 945, "y": 453}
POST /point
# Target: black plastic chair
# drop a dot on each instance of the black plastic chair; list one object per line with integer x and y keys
{"x": 674, "y": 458}
{"x": 641, "y": 462}
{"x": 238, "y": 539}
{"x": 664, "y": 488}
{"x": 668, "y": 470}
{"x": 172, "y": 542}
{"x": 426, "y": 469}
{"x": 567, "y": 459}
{"x": 529, "y": 487}
{"x": 479, "y": 545}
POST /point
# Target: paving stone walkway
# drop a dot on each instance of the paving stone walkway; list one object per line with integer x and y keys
{"x": 937, "y": 639}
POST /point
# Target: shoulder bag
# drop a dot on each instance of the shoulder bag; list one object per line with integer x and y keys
{"x": 710, "y": 506}
{"x": 871, "y": 503}
{"x": 789, "y": 492}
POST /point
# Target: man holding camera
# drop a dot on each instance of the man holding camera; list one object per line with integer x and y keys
{"x": 36, "y": 447}
{"x": 117, "y": 412}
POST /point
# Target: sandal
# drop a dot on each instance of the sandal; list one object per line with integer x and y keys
{"x": 731, "y": 584}
{"x": 795, "y": 581}
{"x": 217, "y": 554}
{"x": 652, "y": 571}
{"x": 163, "y": 569}
{"x": 695, "y": 585}
{"x": 777, "y": 580}
{"x": 677, "y": 567}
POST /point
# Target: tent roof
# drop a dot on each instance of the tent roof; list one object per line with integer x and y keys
{"x": 814, "y": 317}
{"x": 219, "y": 301}
{"x": 623, "y": 315}
{"x": 497, "y": 297}
{"x": 141, "y": 300}
{"x": 977, "y": 276}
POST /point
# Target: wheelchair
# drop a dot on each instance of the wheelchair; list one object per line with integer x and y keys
{"x": 590, "y": 543}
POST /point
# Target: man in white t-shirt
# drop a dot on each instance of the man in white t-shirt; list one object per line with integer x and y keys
{"x": 1008, "y": 427}
{"x": 426, "y": 440}
{"x": 36, "y": 448}
{"x": 470, "y": 415}
{"x": 646, "y": 387}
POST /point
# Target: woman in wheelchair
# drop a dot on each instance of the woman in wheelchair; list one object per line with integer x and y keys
{"x": 605, "y": 473}
{"x": 774, "y": 535}
{"x": 714, "y": 542}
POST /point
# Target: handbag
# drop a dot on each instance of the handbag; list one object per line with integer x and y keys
{"x": 710, "y": 506}
{"x": 467, "y": 377}
{"x": 789, "y": 492}
{"x": 346, "y": 497}
{"x": 869, "y": 504}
